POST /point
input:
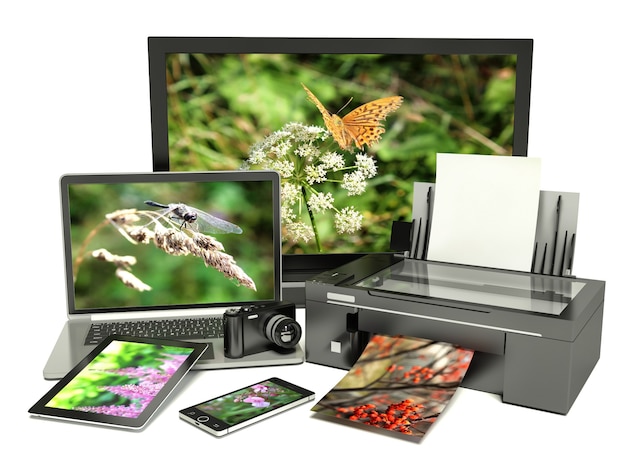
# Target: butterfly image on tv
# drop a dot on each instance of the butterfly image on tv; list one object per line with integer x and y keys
{"x": 361, "y": 126}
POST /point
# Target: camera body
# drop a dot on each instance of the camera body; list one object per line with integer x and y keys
{"x": 257, "y": 328}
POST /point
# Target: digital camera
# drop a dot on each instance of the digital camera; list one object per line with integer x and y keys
{"x": 257, "y": 328}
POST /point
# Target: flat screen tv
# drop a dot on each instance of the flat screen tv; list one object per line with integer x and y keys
{"x": 349, "y": 123}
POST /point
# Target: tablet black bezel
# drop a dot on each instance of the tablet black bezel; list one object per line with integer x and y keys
{"x": 40, "y": 409}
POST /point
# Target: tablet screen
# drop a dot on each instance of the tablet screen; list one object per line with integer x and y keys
{"x": 120, "y": 383}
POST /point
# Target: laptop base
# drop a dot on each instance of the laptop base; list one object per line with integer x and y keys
{"x": 65, "y": 355}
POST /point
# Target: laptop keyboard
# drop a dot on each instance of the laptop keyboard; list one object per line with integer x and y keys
{"x": 177, "y": 328}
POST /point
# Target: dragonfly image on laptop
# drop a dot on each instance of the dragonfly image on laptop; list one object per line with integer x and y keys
{"x": 165, "y": 254}
{"x": 195, "y": 219}
{"x": 176, "y": 229}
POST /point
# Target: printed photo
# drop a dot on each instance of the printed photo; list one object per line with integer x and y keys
{"x": 399, "y": 385}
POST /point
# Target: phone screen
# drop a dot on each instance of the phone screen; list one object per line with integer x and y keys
{"x": 245, "y": 406}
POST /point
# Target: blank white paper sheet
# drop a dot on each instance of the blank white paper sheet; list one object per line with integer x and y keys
{"x": 485, "y": 210}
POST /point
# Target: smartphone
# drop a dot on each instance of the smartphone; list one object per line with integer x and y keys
{"x": 235, "y": 410}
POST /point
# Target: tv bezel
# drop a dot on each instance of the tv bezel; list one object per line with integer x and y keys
{"x": 298, "y": 267}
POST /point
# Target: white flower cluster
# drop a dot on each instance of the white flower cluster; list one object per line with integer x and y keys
{"x": 348, "y": 220}
{"x": 298, "y": 153}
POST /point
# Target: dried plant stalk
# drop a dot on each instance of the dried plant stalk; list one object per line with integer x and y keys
{"x": 179, "y": 243}
{"x": 130, "y": 280}
{"x": 173, "y": 240}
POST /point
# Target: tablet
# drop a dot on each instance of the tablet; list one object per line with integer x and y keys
{"x": 121, "y": 383}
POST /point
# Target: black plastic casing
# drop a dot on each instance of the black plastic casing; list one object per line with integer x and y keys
{"x": 244, "y": 329}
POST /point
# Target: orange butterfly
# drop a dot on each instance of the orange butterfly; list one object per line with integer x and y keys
{"x": 361, "y": 125}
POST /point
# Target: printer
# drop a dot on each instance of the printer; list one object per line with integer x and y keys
{"x": 536, "y": 337}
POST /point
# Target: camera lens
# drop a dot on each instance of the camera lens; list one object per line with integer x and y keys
{"x": 283, "y": 331}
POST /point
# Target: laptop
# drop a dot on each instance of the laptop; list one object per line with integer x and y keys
{"x": 145, "y": 250}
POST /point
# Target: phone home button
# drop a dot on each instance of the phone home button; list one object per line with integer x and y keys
{"x": 202, "y": 419}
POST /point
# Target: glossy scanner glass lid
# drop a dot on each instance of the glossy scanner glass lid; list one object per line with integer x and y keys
{"x": 520, "y": 291}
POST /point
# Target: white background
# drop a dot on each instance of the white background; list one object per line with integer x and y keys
{"x": 74, "y": 85}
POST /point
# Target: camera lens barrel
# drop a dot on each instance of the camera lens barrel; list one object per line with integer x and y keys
{"x": 283, "y": 331}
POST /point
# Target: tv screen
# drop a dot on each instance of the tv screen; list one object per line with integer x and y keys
{"x": 349, "y": 123}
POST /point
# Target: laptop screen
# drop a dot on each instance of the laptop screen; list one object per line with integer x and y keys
{"x": 155, "y": 241}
